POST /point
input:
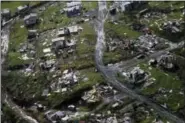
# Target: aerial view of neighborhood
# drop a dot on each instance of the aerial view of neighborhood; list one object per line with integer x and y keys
{"x": 93, "y": 61}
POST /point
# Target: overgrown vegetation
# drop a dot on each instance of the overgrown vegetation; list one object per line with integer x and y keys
{"x": 8, "y": 116}
{"x": 93, "y": 78}
{"x": 25, "y": 88}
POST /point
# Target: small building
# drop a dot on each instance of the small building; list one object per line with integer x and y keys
{"x": 73, "y": 29}
{"x": 68, "y": 30}
{"x": 112, "y": 11}
{"x": 73, "y": 11}
{"x": 22, "y": 9}
{"x": 63, "y": 32}
{"x": 58, "y": 43}
{"x": 71, "y": 107}
{"x": 152, "y": 62}
{"x": 53, "y": 116}
{"x": 130, "y": 5}
{"x": 75, "y": 3}
{"x": 31, "y": 19}
{"x": 183, "y": 12}
{"x": 73, "y": 8}
{"x": 46, "y": 50}
{"x": 6, "y": 13}
{"x": 32, "y": 34}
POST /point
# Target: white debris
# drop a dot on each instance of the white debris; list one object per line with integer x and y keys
{"x": 47, "y": 50}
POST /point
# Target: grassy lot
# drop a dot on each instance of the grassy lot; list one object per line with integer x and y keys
{"x": 87, "y": 46}
{"x": 168, "y": 81}
{"x": 14, "y": 58}
{"x": 79, "y": 63}
{"x": 18, "y": 35}
{"x": 12, "y": 5}
{"x": 52, "y": 18}
{"x": 175, "y": 15}
{"x": 175, "y": 4}
{"x": 89, "y": 5}
{"x": 148, "y": 120}
{"x": 111, "y": 57}
{"x": 120, "y": 29}
{"x": 93, "y": 78}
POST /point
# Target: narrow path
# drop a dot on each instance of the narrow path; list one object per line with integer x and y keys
{"x": 109, "y": 74}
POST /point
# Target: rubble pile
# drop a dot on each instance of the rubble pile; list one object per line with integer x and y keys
{"x": 171, "y": 27}
{"x": 166, "y": 61}
{"x": 64, "y": 83}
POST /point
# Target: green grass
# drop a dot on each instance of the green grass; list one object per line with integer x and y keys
{"x": 148, "y": 120}
{"x": 175, "y": 15}
{"x": 12, "y": 5}
{"x": 83, "y": 109}
{"x": 14, "y": 58}
{"x": 79, "y": 63}
{"x": 111, "y": 57}
{"x": 52, "y": 18}
{"x": 168, "y": 81}
{"x": 175, "y": 4}
{"x": 18, "y": 35}
{"x": 87, "y": 46}
{"x": 120, "y": 29}
{"x": 89, "y": 5}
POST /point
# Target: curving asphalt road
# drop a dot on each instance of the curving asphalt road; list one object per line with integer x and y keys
{"x": 110, "y": 76}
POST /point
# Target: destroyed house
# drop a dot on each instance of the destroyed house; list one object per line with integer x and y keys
{"x": 137, "y": 75}
{"x": 166, "y": 61}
